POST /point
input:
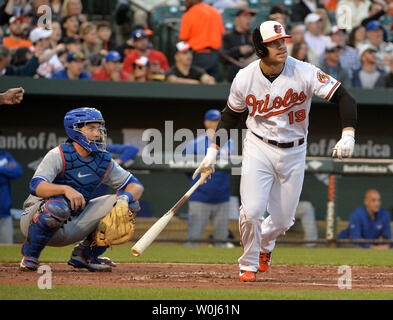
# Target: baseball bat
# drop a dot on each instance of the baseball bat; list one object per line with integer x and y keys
{"x": 161, "y": 223}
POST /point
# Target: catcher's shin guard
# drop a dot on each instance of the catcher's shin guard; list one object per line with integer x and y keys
{"x": 52, "y": 216}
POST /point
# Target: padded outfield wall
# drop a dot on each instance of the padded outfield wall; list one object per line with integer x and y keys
{"x": 35, "y": 126}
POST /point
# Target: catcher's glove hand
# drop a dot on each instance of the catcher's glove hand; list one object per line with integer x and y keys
{"x": 118, "y": 226}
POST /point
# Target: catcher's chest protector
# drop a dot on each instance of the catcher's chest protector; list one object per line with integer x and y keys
{"x": 83, "y": 174}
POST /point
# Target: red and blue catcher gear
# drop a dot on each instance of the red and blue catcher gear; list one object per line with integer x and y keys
{"x": 83, "y": 174}
{"x": 52, "y": 216}
{"x": 75, "y": 119}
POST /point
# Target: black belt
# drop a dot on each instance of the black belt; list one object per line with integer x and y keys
{"x": 281, "y": 144}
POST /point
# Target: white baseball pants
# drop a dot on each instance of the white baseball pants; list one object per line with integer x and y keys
{"x": 271, "y": 180}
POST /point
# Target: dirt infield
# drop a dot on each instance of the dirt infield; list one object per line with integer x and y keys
{"x": 217, "y": 276}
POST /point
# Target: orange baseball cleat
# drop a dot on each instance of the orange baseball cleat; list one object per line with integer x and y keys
{"x": 247, "y": 276}
{"x": 265, "y": 260}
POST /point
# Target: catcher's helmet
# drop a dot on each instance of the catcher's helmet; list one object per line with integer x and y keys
{"x": 268, "y": 31}
{"x": 76, "y": 119}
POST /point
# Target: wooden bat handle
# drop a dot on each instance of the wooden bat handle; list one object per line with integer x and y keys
{"x": 184, "y": 198}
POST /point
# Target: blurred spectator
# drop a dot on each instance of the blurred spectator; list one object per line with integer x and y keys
{"x": 297, "y": 34}
{"x": 202, "y": 28}
{"x": 127, "y": 46}
{"x": 326, "y": 24}
{"x": 299, "y": 51}
{"x": 357, "y": 35}
{"x": 183, "y": 71}
{"x": 104, "y": 33}
{"x": 73, "y": 7}
{"x": 51, "y": 64}
{"x": 279, "y": 14}
{"x": 70, "y": 26}
{"x": 314, "y": 36}
{"x": 331, "y": 64}
{"x": 15, "y": 40}
{"x": 140, "y": 70}
{"x": 56, "y": 6}
{"x": 74, "y": 68}
{"x": 224, "y": 4}
{"x": 6, "y": 69}
{"x": 349, "y": 58}
{"x": 56, "y": 36}
{"x": 211, "y": 200}
{"x": 11, "y": 8}
{"x": 71, "y": 45}
{"x": 377, "y": 10}
{"x": 302, "y": 8}
{"x": 237, "y": 43}
{"x": 352, "y": 12}
{"x": 157, "y": 60}
{"x": 386, "y": 80}
{"x": 9, "y": 169}
{"x": 330, "y": 5}
{"x": 369, "y": 222}
{"x": 91, "y": 46}
{"x": 111, "y": 70}
{"x": 368, "y": 75}
{"x": 374, "y": 36}
{"x": 21, "y": 56}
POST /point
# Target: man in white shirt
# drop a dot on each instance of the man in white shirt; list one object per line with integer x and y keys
{"x": 314, "y": 36}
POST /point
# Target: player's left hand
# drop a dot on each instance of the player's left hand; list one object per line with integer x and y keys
{"x": 345, "y": 146}
{"x": 12, "y": 96}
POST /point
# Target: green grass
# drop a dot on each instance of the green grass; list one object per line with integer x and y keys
{"x": 204, "y": 255}
{"x": 295, "y": 256}
{"x": 8, "y": 292}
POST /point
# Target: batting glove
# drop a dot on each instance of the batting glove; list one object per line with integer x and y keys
{"x": 208, "y": 162}
{"x": 346, "y": 145}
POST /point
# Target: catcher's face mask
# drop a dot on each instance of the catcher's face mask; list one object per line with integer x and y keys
{"x": 94, "y": 134}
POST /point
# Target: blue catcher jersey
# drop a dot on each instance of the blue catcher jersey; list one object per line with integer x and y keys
{"x": 83, "y": 174}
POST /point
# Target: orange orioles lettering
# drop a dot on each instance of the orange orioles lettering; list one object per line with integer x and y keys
{"x": 261, "y": 107}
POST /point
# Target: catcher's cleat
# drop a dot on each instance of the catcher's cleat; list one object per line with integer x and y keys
{"x": 106, "y": 261}
{"x": 265, "y": 260}
{"x": 247, "y": 276}
{"x": 29, "y": 263}
{"x": 92, "y": 265}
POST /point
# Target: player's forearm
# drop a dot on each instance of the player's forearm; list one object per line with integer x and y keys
{"x": 135, "y": 189}
{"x": 46, "y": 189}
{"x": 229, "y": 120}
{"x": 347, "y": 107}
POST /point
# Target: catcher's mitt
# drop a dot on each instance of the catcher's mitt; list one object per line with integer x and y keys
{"x": 117, "y": 226}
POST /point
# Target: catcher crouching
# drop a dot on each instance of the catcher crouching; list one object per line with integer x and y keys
{"x": 62, "y": 208}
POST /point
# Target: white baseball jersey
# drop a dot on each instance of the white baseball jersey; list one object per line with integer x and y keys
{"x": 279, "y": 110}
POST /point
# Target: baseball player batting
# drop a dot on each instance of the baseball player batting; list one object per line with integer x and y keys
{"x": 61, "y": 208}
{"x": 276, "y": 92}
